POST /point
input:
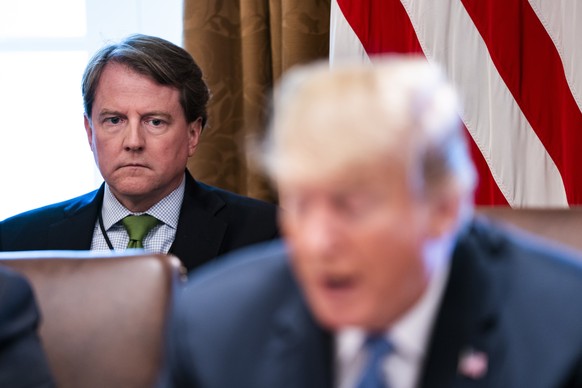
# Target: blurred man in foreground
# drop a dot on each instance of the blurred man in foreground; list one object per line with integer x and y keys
{"x": 383, "y": 278}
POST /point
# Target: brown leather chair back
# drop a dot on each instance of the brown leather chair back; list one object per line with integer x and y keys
{"x": 103, "y": 318}
{"x": 560, "y": 225}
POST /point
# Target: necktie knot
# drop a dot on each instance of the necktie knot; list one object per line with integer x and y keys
{"x": 378, "y": 348}
{"x": 137, "y": 228}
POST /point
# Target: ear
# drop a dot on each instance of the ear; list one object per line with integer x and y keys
{"x": 88, "y": 130}
{"x": 194, "y": 131}
{"x": 445, "y": 209}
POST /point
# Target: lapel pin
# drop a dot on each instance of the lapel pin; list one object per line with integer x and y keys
{"x": 473, "y": 364}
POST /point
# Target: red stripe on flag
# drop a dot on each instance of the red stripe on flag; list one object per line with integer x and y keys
{"x": 383, "y": 26}
{"x": 487, "y": 192}
{"x": 530, "y": 65}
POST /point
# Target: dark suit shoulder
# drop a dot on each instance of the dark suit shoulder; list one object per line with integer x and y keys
{"x": 509, "y": 296}
{"x": 230, "y": 202}
{"x": 232, "y": 197}
{"x": 523, "y": 249}
{"x": 529, "y": 264}
{"x": 16, "y": 300}
{"x": 533, "y": 285}
{"x": 228, "y": 315}
{"x": 29, "y": 230}
{"x": 241, "y": 276}
{"x": 214, "y": 222}
{"x": 247, "y": 311}
{"x": 249, "y": 220}
{"x": 22, "y": 359}
{"x": 51, "y": 212}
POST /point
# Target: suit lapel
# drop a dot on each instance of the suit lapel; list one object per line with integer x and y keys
{"x": 200, "y": 233}
{"x": 466, "y": 343}
{"x": 75, "y": 230}
{"x": 298, "y": 353}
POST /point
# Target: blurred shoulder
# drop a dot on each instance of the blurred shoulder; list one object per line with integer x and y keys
{"x": 17, "y": 305}
{"x": 255, "y": 278}
{"x": 254, "y": 264}
{"x": 11, "y": 282}
{"x": 533, "y": 256}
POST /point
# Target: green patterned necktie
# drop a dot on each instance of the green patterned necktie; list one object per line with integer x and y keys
{"x": 137, "y": 228}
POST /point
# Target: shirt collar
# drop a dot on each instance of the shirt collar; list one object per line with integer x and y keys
{"x": 410, "y": 333}
{"x": 167, "y": 210}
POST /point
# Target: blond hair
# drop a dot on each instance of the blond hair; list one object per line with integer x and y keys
{"x": 398, "y": 107}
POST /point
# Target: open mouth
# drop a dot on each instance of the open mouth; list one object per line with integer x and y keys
{"x": 338, "y": 282}
{"x": 338, "y": 286}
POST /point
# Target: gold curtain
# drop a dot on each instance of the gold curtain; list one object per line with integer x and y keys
{"x": 243, "y": 46}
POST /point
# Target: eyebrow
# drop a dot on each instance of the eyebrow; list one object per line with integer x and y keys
{"x": 107, "y": 112}
{"x": 167, "y": 116}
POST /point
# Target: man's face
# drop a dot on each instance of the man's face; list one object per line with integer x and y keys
{"x": 356, "y": 243}
{"x": 139, "y": 136}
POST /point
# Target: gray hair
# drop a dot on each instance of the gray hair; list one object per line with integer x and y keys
{"x": 157, "y": 59}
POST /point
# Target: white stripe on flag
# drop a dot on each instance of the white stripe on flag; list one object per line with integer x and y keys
{"x": 562, "y": 19}
{"x": 344, "y": 44}
{"x": 501, "y": 131}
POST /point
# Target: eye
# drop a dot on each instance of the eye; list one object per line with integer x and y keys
{"x": 355, "y": 205}
{"x": 113, "y": 120}
{"x": 155, "y": 122}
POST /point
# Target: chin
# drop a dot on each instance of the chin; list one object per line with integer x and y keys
{"x": 136, "y": 192}
{"x": 130, "y": 183}
{"x": 336, "y": 319}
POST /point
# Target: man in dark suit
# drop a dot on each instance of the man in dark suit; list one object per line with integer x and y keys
{"x": 384, "y": 277}
{"x": 22, "y": 360}
{"x": 145, "y": 108}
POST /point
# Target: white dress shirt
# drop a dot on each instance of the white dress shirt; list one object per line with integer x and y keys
{"x": 409, "y": 335}
{"x": 158, "y": 240}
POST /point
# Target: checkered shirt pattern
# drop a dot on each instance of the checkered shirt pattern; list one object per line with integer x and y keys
{"x": 158, "y": 240}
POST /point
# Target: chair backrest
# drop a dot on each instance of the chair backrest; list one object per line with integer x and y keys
{"x": 562, "y": 225}
{"x": 103, "y": 318}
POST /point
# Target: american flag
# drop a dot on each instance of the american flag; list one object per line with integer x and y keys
{"x": 517, "y": 66}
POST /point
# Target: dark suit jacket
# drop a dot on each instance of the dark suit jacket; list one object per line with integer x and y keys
{"x": 245, "y": 323}
{"x": 22, "y": 360}
{"x": 212, "y": 222}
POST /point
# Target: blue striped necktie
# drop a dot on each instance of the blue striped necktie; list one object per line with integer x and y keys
{"x": 378, "y": 349}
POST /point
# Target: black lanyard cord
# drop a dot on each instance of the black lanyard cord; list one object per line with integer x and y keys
{"x": 104, "y": 233}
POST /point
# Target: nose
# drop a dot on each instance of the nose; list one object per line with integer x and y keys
{"x": 321, "y": 232}
{"x": 134, "y": 138}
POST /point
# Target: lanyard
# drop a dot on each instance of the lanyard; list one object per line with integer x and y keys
{"x": 104, "y": 233}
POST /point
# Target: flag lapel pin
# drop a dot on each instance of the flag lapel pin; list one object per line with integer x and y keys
{"x": 473, "y": 364}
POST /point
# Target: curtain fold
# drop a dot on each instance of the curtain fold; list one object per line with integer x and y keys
{"x": 243, "y": 47}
